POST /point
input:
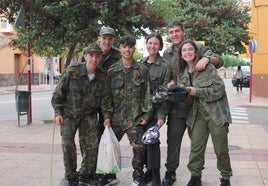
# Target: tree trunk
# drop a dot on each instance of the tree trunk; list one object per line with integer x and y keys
{"x": 70, "y": 55}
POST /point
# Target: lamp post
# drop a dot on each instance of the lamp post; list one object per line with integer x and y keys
{"x": 29, "y": 81}
{"x": 23, "y": 20}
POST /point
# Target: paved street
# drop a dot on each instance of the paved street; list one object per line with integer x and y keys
{"x": 31, "y": 155}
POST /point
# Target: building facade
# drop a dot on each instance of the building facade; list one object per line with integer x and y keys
{"x": 259, "y": 57}
{"x": 14, "y": 64}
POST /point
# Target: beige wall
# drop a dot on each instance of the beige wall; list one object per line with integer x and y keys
{"x": 12, "y": 63}
{"x": 259, "y": 32}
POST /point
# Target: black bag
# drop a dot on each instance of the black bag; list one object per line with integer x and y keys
{"x": 176, "y": 93}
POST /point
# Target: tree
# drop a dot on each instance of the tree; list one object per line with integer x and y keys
{"x": 233, "y": 61}
{"x": 222, "y": 24}
{"x": 65, "y": 27}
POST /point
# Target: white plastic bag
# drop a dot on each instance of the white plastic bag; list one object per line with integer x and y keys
{"x": 109, "y": 153}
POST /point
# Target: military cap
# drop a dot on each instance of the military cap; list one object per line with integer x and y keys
{"x": 107, "y": 30}
{"x": 92, "y": 47}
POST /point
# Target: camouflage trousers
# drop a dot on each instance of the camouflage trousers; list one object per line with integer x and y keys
{"x": 203, "y": 127}
{"x": 88, "y": 139}
{"x": 134, "y": 134}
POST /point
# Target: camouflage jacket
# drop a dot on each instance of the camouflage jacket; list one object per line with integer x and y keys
{"x": 76, "y": 96}
{"x": 172, "y": 57}
{"x": 160, "y": 74}
{"x": 130, "y": 92}
{"x": 210, "y": 93}
{"x": 109, "y": 59}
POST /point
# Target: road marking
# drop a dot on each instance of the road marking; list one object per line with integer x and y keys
{"x": 239, "y": 115}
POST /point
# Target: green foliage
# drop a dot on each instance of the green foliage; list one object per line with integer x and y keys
{"x": 65, "y": 27}
{"x": 137, "y": 55}
{"x": 222, "y": 24}
{"x": 167, "y": 8}
{"x": 233, "y": 61}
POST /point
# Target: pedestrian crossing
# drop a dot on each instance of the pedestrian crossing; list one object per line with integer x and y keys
{"x": 239, "y": 115}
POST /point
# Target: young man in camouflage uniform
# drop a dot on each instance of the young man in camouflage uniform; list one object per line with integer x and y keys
{"x": 132, "y": 106}
{"x": 178, "y": 112}
{"x": 110, "y": 53}
{"x": 82, "y": 89}
{"x": 110, "y": 56}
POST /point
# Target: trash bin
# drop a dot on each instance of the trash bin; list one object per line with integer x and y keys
{"x": 22, "y": 100}
{"x": 22, "y": 103}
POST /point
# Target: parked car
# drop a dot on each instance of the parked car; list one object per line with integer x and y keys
{"x": 246, "y": 79}
{"x": 56, "y": 75}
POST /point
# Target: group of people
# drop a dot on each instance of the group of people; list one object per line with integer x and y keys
{"x": 111, "y": 89}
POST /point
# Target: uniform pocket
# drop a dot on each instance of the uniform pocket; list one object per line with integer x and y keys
{"x": 138, "y": 88}
{"x": 117, "y": 91}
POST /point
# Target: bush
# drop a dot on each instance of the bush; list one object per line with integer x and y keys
{"x": 232, "y": 61}
{"x": 137, "y": 55}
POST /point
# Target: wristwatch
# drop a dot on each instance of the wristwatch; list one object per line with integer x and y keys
{"x": 208, "y": 58}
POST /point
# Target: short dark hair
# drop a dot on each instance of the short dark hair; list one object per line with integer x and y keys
{"x": 128, "y": 40}
{"x": 175, "y": 23}
{"x": 157, "y": 36}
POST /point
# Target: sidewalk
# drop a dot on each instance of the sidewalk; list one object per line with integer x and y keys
{"x": 28, "y": 159}
{"x": 11, "y": 89}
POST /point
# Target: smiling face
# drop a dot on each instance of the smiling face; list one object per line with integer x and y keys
{"x": 106, "y": 42}
{"x": 153, "y": 46}
{"x": 127, "y": 48}
{"x": 176, "y": 34}
{"x": 188, "y": 53}
{"x": 93, "y": 59}
{"x": 127, "y": 51}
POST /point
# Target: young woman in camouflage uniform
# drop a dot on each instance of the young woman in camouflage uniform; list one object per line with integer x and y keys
{"x": 160, "y": 74}
{"x": 209, "y": 113}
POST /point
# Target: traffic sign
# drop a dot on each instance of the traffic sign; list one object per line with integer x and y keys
{"x": 252, "y": 47}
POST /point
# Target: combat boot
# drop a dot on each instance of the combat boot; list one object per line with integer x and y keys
{"x": 87, "y": 180}
{"x": 169, "y": 178}
{"x": 194, "y": 181}
{"x": 148, "y": 176}
{"x": 70, "y": 182}
{"x": 108, "y": 179}
{"x": 225, "y": 182}
{"x": 156, "y": 178}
